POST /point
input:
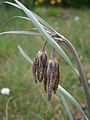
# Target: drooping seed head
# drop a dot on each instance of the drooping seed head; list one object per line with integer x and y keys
{"x": 52, "y": 77}
{"x": 39, "y": 65}
{"x": 57, "y": 77}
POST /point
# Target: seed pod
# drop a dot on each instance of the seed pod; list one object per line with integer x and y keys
{"x": 42, "y": 61}
{"x": 49, "y": 70}
{"x": 39, "y": 64}
{"x": 52, "y": 77}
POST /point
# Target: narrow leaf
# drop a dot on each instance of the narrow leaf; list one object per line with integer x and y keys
{"x": 21, "y": 17}
{"x": 66, "y": 107}
{"x": 38, "y": 116}
{"x": 61, "y": 90}
{"x": 25, "y": 55}
{"x": 13, "y": 4}
{"x": 20, "y": 32}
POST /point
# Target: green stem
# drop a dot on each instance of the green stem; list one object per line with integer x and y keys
{"x": 66, "y": 107}
{"x": 83, "y": 79}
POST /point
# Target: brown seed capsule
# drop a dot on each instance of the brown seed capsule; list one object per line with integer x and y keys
{"x": 39, "y": 65}
{"x": 52, "y": 77}
{"x": 49, "y": 90}
{"x": 42, "y": 60}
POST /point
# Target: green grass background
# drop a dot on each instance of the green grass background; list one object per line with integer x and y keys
{"x": 16, "y": 72}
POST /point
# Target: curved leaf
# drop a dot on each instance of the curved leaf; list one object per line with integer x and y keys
{"x": 13, "y": 4}
{"x": 20, "y": 32}
{"x": 66, "y": 107}
{"x": 61, "y": 90}
{"x": 25, "y": 55}
{"x": 21, "y": 17}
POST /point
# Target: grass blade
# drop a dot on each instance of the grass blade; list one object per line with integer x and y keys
{"x": 66, "y": 107}
{"x": 25, "y": 55}
{"x": 20, "y": 32}
{"x": 38, "y": 116}
{"x": 21, "y": 17}
{"x": 7, "y": 107}
{"x": 61, "y": 90}
{"x": 13, "y": 4}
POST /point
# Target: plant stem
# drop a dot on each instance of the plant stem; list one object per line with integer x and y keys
{"x": 83, "y": 79}
{"x": 7, "y": 107}
{"x": 43, "y": 48}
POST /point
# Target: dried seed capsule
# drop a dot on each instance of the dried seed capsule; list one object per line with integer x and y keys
{"x": 52, "y": 77}
{"x": 39, "y": 64}
{"x": 49, "y": 70}
{"x": 53, "y": 73}
{"x": 42, "y": 61}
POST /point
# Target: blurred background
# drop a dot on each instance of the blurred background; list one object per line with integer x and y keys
{"x": 70, "y": 18}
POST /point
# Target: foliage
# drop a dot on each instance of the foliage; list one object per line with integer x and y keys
{"x": 24, "y": 66}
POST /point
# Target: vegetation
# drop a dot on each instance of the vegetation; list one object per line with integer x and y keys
{"x": 16, "y": 71}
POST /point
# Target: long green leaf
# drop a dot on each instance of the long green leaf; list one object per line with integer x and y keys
{"x": 21, "y": 17}
{"x": 25, "y": 55}
{"x": 61, "y": 90}
{"x": 13, "y": 4}
{"x": 38, "y": 116}
{"x": 66, "y": 107}
{"x": 20, "y": 32}
{"x": 39, "y": 18}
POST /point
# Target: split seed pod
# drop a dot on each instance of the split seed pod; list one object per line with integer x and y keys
{"x": 39, "y": 65}
{"x": 52, "y": 77}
